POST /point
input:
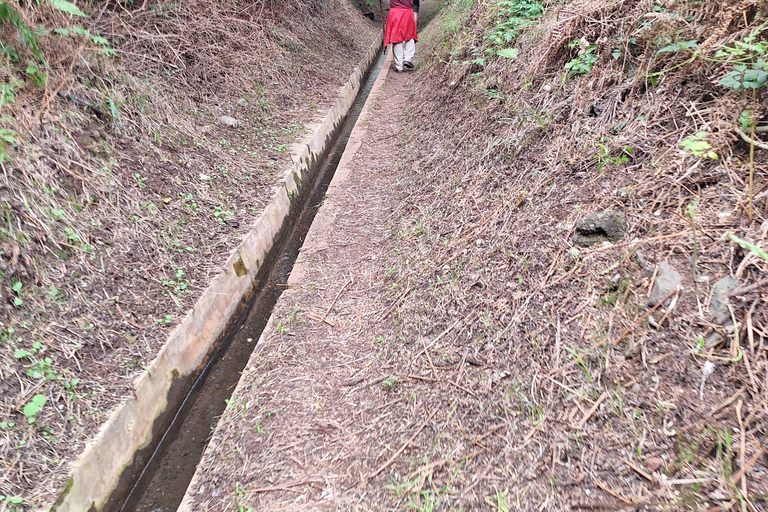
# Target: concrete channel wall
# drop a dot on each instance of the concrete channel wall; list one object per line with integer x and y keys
{"x": 132, "y": 425}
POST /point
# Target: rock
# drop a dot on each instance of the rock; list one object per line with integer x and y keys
{"x": 718, "y": 308}
{"x": 228, "y": 121}
{"x": 667, "y": 280}
{"x": 654, "y": 464}
{"x": 242, "y": 102}
{"x": 713, "y": 339}
{"x": 726, "y": 218}
{"x": 605, "y": 226}
{"x": 641, "y": 260}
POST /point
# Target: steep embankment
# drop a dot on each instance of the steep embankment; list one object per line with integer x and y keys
{"x": 140, "y": 140}
{"x": 577, "y": 397}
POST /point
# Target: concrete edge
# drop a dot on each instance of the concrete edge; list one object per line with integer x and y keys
{"x": 315, "y": 241}
{"x": 97, "y": 472}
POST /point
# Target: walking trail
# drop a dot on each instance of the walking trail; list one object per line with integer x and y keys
{"x": 318, "y": 420}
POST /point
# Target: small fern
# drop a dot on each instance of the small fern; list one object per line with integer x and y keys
{"x": 67, "y": 7}
{"x": 8, "y": 14}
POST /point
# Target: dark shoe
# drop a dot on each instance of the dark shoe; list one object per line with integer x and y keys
{"x": 398, "y": 70}
{"x": 408, "y": 64}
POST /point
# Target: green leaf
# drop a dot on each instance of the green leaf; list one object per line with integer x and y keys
{"x": 17, "y": 286}
{"x": 8, "y": 135}
{"x": 745, "y": 119}
{"x": 509, "y": 53}
{"x": 67, "y": 7}
{"x": 501, "y": 502}
{"x": 680, "y": 45}
{"x": 21, "y": 354}
{"x": 34, "y": 406}
{"x": 748, "y": 246}
{"x": 616, "y": 53}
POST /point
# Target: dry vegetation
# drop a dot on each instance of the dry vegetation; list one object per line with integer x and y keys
{"x": 573, "y": 399}
{"x": 123, "y": 189}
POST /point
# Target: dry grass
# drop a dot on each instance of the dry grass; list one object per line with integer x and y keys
{"x": 124, "y": 194}
{"x": 494, "y": 211}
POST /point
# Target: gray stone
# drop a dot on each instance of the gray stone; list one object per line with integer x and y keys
{"x": 242, "y": 102}
{"x": 667, "y": 280}
{"x": 228, "y": 121}
{"x": 641, "y": 260}
{"x": 601, "y": 227}
{"x": 718, "y": 308}
{"x": 713, "y": 339}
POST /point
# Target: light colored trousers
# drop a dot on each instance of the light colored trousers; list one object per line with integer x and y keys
{"x": 403, "y": 52}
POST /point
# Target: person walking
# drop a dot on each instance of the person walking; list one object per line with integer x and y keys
{"x": 400, "y": 31}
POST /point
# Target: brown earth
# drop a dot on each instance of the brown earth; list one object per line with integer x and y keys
{"x": 124, "y": 194}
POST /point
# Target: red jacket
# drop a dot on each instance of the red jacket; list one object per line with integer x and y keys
{"x": 400, "y": 24}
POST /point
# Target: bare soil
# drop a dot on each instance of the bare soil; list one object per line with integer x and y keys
{"x": 124, "y": 194}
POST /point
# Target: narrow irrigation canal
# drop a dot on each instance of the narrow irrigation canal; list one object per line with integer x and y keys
{"x": 160, "y": 485}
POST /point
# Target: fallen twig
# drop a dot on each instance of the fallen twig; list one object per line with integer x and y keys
{"x": 427, "y": 347}
{"x": 614, "y": 494}
{"x": 394, "y": 305}
{"x": 748, "y": 465}
{"x": 284, "y": 487}
{"x": 335, "y": 299}
{"x": 398, "y": 452}
{"x": 320, "y": 318}
{"x": 645, "y": 315}
{"x": 639, "y": 471}
{"x": 592, "y": 409}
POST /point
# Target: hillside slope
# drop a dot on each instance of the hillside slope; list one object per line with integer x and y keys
{"x": 140, "y": 141}
{"x": 583, "y": 396}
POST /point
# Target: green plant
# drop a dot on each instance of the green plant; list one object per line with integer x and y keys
{"x": 680, "y": 46}
{"x": 697, "y": 146}
{"x": 42, "y": 368}
{"x": 33, "y": 407}
{"x": 178, "y": 284}
{"x": 222, "y": 215}
{"x": 7, "y": 136}
{"x": 749, "y": 246}
{"x": 140, "y": 181}
{"x": 389, "y": 383}
{"x": 605, "y": 157}
{"x": 241, "y": 494}
{"x": 499, "y": 500}
{"x": 511, "y": 16}
{"x": 6, "y": 91}
{"x": 36, "y": 76}
{"x": 748, "y": 56}
{"x": 105, "y": 47}
{"x": 11, "y": 500}
{"x": 9, "y": 14}
{"x": 16, "y": 287}
{"x": 582, "y": 64}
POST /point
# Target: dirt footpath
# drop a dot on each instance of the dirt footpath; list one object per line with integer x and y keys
{"x": 318, "y": 411}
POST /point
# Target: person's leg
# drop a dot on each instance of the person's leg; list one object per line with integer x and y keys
{"x": 409, "y": 53}
{"x": 398, "y": 52}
